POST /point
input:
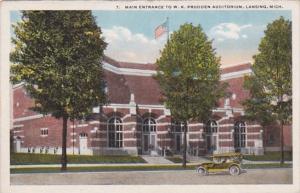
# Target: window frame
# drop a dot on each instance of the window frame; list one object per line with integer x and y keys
{"x": 44, "y": 132}
{"x": 211, "y": 127}
{"x": 149, "y": 125}
{"x": 115, "y": 133}
{"x": 239, "y": 134}
{"x": 177, "y": 127}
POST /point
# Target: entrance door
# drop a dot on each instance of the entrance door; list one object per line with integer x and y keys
{"x": 153, "y": 141}
{"x": 82, "y": 143}
{"x": 146, "y": 144}
{"x": 178, "y": 142}
{"x": 211, "y": 143}
{"x": 149, "y": 142}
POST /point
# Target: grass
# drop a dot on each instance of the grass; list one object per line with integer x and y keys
{"x": 175, "y": 159}
{"x": 133, "y": 168}
{"x": 102, "y": 168}
{"x": 27, "y": 159}
{"x": 269, "y": 156}
{"x": 264, "y": 166}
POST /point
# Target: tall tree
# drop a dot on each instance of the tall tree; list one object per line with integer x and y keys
{"x": 189, "y": 76}
{"x": 270, "y": 84}
{"x": 57, "y": 55}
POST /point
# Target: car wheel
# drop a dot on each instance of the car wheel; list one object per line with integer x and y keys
{"x": 234, "y": 170}
{"x": 202, "y": 171}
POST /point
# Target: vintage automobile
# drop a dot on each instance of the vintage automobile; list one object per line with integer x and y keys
{"x": 225, "y": 162}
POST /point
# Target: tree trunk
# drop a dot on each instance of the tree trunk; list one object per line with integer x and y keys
{"x": 64, "y": 144}
{"x": 281, "y": 144}
{"x": 184, "y": 145}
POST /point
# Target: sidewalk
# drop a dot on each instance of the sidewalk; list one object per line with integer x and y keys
{"x": 133, "y": 164}
{"x": 85, "y": 165}
{"x": 264, "y": 162}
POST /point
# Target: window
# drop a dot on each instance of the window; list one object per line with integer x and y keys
{"x": 115, "y": 133}
{"x": 177, "y": 127}
{"x": 149, "y": 125}
{"x": 105, "y": 87}
{"x": 44, "y": 131}
{"x": 211, "y": 127}
{"x": 239, "y": 134}
{"x": 227, "y": 102}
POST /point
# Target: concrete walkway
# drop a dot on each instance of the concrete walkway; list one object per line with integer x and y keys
{"x": 175, "y": 177}
{"x": 265, "y": 162}
{"x": 156, "y": 160}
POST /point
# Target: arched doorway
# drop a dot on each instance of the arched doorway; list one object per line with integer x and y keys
{"x": 115, "y": 133}
{"x": 177, "y": 129}
{"x": 149, "y": 138}
{"x": 239, "y": 136}
{"x": 211, "y": 136}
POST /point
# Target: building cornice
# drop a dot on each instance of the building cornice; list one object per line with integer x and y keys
{"x": 127, "y": 106}
{"x": 149, "y": 73}
{"x": 128, "y": 71}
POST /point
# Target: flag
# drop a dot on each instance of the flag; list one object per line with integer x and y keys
{"x": 161, "y": 29}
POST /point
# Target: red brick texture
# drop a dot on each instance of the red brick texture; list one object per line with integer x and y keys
{"x": 147, "y": 96}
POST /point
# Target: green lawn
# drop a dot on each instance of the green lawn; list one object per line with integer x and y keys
{"x": 25, "y": 158}
{"x": 102, "y": 168}
{"x": 175, "y": 159}
{"x": 268, "y": 165}
{"x": 269, "y": 156}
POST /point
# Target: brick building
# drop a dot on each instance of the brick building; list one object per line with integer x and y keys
{"x": 136, "y": 122}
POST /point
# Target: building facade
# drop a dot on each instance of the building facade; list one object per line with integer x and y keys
{"x": 136, "y": 122}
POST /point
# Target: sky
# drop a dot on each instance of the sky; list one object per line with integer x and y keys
{"x": 130, "y": 34}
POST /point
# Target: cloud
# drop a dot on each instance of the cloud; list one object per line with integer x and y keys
{"x": 123, "y": 45}
{"x": 226, "y": 31}
{"x": 244, "y": 36}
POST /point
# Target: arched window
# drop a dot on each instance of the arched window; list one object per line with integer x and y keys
{"x": 239, "y": 134}
{"x": 115, "y": 132}
{"x": 211, "y": 127}
{"x": 149, "y": 125}
{"x": 82, "y": 135}
{"x": 177, "y": 127}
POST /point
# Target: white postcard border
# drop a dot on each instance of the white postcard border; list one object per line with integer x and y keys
{"x": 5, "y": 103}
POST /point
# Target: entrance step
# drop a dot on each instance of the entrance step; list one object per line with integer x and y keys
{"x": 156, "y": 160}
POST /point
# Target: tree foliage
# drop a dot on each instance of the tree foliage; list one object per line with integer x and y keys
{"x": 189, "y": 74}
{"x": 189, "y": 77}
{"x": 270, "y": 85}
{"x": 57, "y": 55}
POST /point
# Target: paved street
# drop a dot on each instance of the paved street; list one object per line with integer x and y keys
{"x": 251, "y": 176}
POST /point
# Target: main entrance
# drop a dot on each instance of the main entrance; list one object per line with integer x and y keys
{"x": 149, "y": 136}
{"x": 178, "y": 142}
{"x": 211, "y": 143}
{"x": 211, "y": 133}
{"x": 149, "y": 142}
{"x": 177, "y": 129}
